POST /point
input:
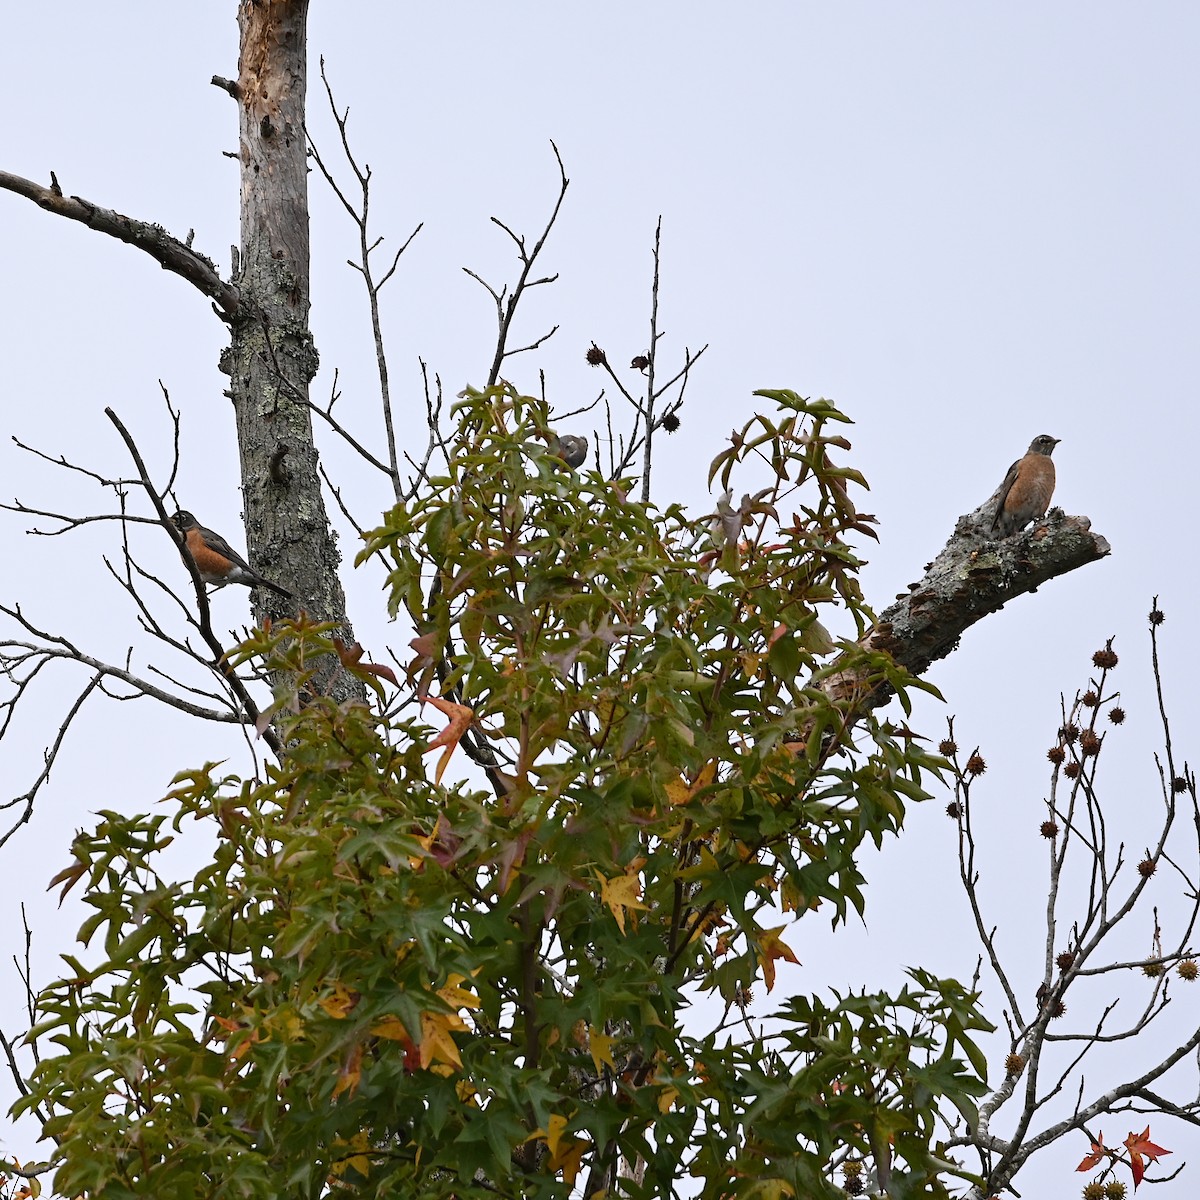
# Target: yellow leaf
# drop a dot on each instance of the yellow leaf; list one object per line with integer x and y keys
{"x": 361, "y": 1162}
{"x": 566, "y": 1153}
{"x": 569, "y": 1159}
{"x": 341, "y": 1002}
{"x": 558, "y": 1126}
{"x": 458, "y": 997}
{"x": 678, "y": 792}
{"x": 620, "y": 894}
{"x": 667, "y": 1098}
{"x": 600, "y": 1045}
{"x": 436, "y": 1043}
{"x": 391, "y": 1029}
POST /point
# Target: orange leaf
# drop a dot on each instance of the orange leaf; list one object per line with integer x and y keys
{"x": 1140, "y": 1146}
{"x": 770, "y": 947}
{"x": 350, "y": 1073}
{"x": 460, "y": 720}
{"x": 1095, "y": 1157}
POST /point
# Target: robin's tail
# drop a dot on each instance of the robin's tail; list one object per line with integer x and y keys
{"x": 282, "y": 591}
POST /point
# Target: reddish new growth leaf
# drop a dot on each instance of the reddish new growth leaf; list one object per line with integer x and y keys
{"x": 460, "y": 719}
{"x": 1140, "y": 1147}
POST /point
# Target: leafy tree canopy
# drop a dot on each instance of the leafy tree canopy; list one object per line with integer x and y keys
{"x": 392, "y": 982}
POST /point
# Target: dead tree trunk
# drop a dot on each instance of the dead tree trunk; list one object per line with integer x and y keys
{"x": 271, "y": 358}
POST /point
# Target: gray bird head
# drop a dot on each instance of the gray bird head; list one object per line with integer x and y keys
{"x": 1043, "y": 444}
{"x": 572, "y": 449}
{"x": 184, "y": 520}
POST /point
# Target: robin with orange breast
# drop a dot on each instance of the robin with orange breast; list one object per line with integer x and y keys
{"x": 217, "y": 562}
{"x": 1027, "y": 488}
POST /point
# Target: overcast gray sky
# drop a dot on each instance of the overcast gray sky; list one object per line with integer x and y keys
{"x": 965, "y": 224}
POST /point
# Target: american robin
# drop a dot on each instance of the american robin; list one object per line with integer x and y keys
{"x": 216, "y": 561}
{"x": 1027, "y": 488}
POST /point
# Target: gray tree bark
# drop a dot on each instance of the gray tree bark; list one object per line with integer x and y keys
{"x": 271, "y": 358}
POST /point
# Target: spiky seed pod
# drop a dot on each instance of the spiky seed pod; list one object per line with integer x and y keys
{"x": 595, "y": 356}
{"x": 1187, "y": 970}
{"x": 954, "y": 810}
{"x": 1117, "y": 715}
{"x": 1071, "y": 770}
{"x": 1179, "y": 784}
{"x": 1069, "y": 733}
{"x": 1089, "y": 699}
{"x": 670, "y": 422}
{"x": 947, "y": 747}
{"x": 1057, "y": 1009}
{"x": 1152, "y": 970}
{"x": 1157, "y": 616}
{"x": 976, "y": 765}
{"x": 1014, "y": 1064}
{"x": 1089, "y": 742}
{"x": 1114, "y": 1189}
{"x": 1056, "y": 754}
{"x": 1105, "y": 659}
{"x": 1093, "y": 1190}
{"x": 1147, "y": 867}
{"x": 1049, "y": 829}
{"x": 1066, "y": 960}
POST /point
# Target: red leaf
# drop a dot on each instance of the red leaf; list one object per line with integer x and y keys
{"x": 1095, "y": 1157}
{"x": 1140, "y": 1146}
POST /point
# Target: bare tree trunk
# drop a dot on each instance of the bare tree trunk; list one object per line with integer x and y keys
{"x": 271, "y": 358}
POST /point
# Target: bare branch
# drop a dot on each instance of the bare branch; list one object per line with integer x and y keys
{"x": 170, "y": 253}
{"x": 204, "y": 624}
{"x": 507, "y": 311}
{"x": 359, "y": 215}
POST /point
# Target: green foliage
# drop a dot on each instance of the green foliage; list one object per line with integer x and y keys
{"x": 384, "y": 985}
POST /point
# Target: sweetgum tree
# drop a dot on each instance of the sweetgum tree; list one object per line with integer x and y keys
{"x": 529, "y": 977}
{"x": 392, "y": 980}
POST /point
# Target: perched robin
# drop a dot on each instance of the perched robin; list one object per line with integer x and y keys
{"x": 1027, "y": 488}
{"x": 216, "y": 561}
